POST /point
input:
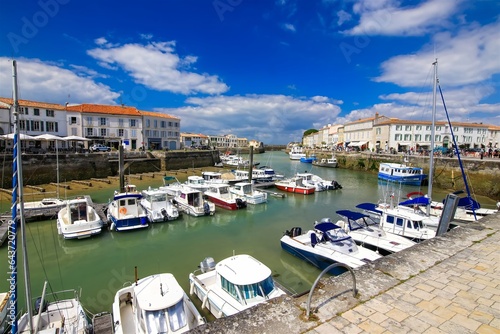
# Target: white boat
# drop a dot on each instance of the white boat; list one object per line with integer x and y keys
{"x": 190, "y": 201}
{"x": 234, "y": 160}
{"x": 159, "y": 207}
{"x": 219, "y": 194}
{"x": 367, "y": 233}
{"x": 78, "y": 219}
{"x": 57, "y": 314}
{"x": 265, "y": 174}
{"x": 47, "y": 207}
{"x": 4, "y": 323}
{"x": 326, "y": 162}
{"x": 213, "y": 177}
{"x": 125, "y": 211}
{"x": 154, "y": 304}
{"x": 399, "y": 222}
{"x": 197, "y": 182}
{"x": 326, "y": 244}
{"x": 318, "y": 182}
{"x": 247, "y": 191}
{"x": 295, "y": 185}
{"x": 233, "y": 285}
{"x": 401, "y": 173}
{"x": 296, "y": 153}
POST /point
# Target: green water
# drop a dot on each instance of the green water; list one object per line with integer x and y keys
{"x": 101, "y": 265}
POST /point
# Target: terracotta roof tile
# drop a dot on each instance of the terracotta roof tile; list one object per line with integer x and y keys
{"x": 34, "y": 104}
{"x": 104, "y": 109}
{"x": 157, "y": 114}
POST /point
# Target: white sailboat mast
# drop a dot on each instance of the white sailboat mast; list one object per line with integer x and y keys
{"x": 433, "y": 135}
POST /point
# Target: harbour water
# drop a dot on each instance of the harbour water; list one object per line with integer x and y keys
{"x": 101, "y": 265}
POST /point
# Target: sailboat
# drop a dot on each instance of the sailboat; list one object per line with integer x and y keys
{"x": 53, "y": 315}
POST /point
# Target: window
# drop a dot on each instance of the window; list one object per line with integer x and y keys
{"x": 22, "y": 125}
{"x": 89, "y": 132}
{"x": 103, "y": 132}
{"x": 133, "y": 133}
{"x": 408, "y": 127}
{"x": 418, "y": 127}
{"x": 418, "y": 137}
{"x": 132, "y": 123}
{"x": 49, "y": 113}
{"x": 88, "y": 120}
{"x": 398, "y": 137}
{"x": 399, "y": 221}
{"x": 438, "y": 138}
{"x": 120, "y": 132}
{"x": 102, "y": 120}
{"x": 399, "y": 127}
{"x": 438, "y": 128}
{"x": 120, "y": 122}
{"x": 155, "y": 123}
{"x": 51, "y": 126}
{"x": 427, "y": 137}
{"x": 170, "y": 124}
{"x": 428, "y": 128}
{"x": 148, "y": 123}
{"x": 163, "y": 124}
{"x": 455, "y": 128}
{"x": 407, "y": 137}
{"x": 72, "y": 120}
{"x": 378, "y": 131}
{"x": 390, "y": 219}
{"x": 36, "y": 112}
{"x": 36, "y": 126}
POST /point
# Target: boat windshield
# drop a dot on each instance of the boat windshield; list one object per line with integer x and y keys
{"x": 247, "y": 189}
{"x": 159, "y": 198}
{"x": 263, "y": 289}
{"x": 156, "y": 321}
{"x": 337, "y": 234}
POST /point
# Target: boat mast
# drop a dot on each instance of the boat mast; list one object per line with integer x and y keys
{"x": 433, "y": 132}
{"x": 18, "y": 203}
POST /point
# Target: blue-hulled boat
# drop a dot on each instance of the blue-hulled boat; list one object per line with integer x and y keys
{"x": 308, "y": 159}
{"x": 125, "y": 211}
{"x": 401, "y": 173}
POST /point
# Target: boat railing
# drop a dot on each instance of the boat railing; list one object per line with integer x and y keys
{"x": 354, "y": 291}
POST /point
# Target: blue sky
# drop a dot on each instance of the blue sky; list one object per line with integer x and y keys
{"x": 265, "y": 70}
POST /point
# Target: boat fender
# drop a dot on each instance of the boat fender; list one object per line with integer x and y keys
{"x": 191, "y": 288}
{"x": 206, "y": 208}
{"x": 123, "y": 210}
{"x": 113, "y": 227}
{"x": 205, "y": 300}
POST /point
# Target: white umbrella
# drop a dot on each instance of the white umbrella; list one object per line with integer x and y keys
{"x": 48, "y": 136}
{"x": 22, "y": 136}
{"x": 75, "y": 138}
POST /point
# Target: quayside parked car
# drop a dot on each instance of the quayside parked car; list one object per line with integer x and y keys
{"x": 99, "y": 148}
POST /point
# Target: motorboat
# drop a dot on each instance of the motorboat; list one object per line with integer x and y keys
{"x": 247, "y": 191}
{"x": 400, "y": 222}
{"x": 325, "y": 245}
{"x": 158, "y": 205}
{"x": 296, "y": 153}
{"x": 213, "y": 177}
{"x": 265, "y": 174}
{"x": 326, "y": 162}
{"x": 308, "y": 159}
{"x": 234, "y": 160}
{"x": 367, "y": 233}
{"x": 58, "y": 312}
{"x": 125, "y": 211}
{"x": 78, "y": 219}
{"x": 4, "y": 300}
{"x": 319, "y": 183}
{"x": 191, "y": 202}
{"x": 46, "y": 207}
{"x": 197, "y": 182}
{"x": 219, "y": 194}
{"x": 295, "y": 185}
{"x": 154, "y": 304}
{"x": 401, "y": 173}
{"x": 233, "y": 284}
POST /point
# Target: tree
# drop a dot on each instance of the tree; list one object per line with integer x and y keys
{"x": 308, "y": 132}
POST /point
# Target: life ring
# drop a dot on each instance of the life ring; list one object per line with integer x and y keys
{"x": 123, "y": 210}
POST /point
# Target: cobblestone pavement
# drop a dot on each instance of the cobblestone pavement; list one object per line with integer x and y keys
{"x": 461, "y": 294}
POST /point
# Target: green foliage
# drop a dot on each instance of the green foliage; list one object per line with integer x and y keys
{"x": 308, "y": 132}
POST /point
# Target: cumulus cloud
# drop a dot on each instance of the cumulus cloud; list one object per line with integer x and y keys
{"x": 468, "y": 57}
{"x": 41, "y": 81}
{"x": 289, "y": 27}
{"x": 158, "y": 67}
{"x": 386, "y": 17}
{"x": 273, "y": 119}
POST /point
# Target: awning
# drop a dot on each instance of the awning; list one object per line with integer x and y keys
{"x": 358, "y": 143}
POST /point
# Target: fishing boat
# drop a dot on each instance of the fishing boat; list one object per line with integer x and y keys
{"x": 318, "y": 182}
{"x": 246, "y": 191}
{"x": 295, "y": 185}
{"x": 399, "y": 222}
{"x": 234, "y": 284}
{"x": 196, "y": 182}
{"x": 78, "y": 219}
{"x": 219, "y": 194}
{"x": 125, "y": 212}
{"x": 213, "y": 177}
{"x": 326, "y": 162}
{"x": 154, "y": 304}
{"x": 401, "y": 173}
{"x": 46, "y": 207}
{"x": 367, "y": 233}
{"x": 308, "y": 159}
{"x": 191, "y": 202}
{"x": 296, "y": 153}
{"x": 159, "y": 207}
{"x": 265, "y": 174}
{"x": 325, "y": 245}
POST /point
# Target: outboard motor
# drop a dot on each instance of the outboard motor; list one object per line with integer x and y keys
{"x": 208, "y": 264}
{"x": 241, "y": 203}
{"x": 164, "y": 214}
{"x": 336, "y": 185}
{"x": 206, "y": 208}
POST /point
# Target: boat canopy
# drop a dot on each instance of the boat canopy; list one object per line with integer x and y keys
{"x": 351, "y": 214}
{"x": 369, "y": 206}
{"x": 421, "y": 201}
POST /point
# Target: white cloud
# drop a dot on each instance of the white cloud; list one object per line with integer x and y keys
{"x": 41, "y": 81}
{"x": 158, "y": 67}
{"x": 273, "y": 119}
{"x": 289, "y": 27}
{"x": 469, "y": 57}
{"x": 386, "y": 17}
{"x": 343, "y": 17}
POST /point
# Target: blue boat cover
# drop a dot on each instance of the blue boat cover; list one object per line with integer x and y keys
{"x": 369, "y": 206}
{"x": 468, "y": 203}
{"x": 421, "y": 200}
{"x": 323, "y": 227}
{"x": 351, "y": 214}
